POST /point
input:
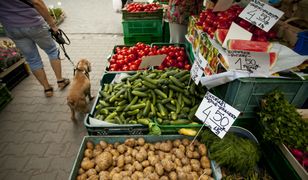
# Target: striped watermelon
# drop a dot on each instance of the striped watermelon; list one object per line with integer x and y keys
{"x": 247, "y": 45}
{"x": 220, "y": 35}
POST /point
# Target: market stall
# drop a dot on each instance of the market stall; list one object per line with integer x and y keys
{"x": 230, "y": 91}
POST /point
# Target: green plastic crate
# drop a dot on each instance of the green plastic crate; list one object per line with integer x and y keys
{"x": 5, "y": 96}
{"x": 133, "y": 129}
{"x": 145, "y": 39}
{"x": 149, "y": 27}
{"x": 142, "y": 15}
{"x": 244, "y": 94}
{"x": 166, "y": 32}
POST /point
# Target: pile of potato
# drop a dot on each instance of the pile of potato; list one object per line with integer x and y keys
{"x": 136, "y": 159}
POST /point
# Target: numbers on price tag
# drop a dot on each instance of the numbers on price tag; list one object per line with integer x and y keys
{"x": 260, "y": 14}
{"x": 218, "y": 115}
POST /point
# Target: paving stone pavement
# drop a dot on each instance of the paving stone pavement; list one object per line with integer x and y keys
{"x": 38, "y": 141}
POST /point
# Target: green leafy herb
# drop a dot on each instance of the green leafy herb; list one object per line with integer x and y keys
{"x": 232, "y": 152}
{"x": 282, "y": 123}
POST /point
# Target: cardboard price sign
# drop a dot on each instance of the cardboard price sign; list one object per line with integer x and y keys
{"x": 261, "y": 14}
{"x": 253, "y": 62}
{"x": 148, "y": 61}
{"x": 217, "y": 114}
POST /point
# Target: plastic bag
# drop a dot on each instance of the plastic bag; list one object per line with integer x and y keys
{"x": 117, "y": 5}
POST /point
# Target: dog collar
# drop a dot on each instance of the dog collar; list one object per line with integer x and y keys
{"x": 83, "y": 71}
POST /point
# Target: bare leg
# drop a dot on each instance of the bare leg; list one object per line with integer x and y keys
{"x": 42, "y": 78}
{"x": 56, "y": 66}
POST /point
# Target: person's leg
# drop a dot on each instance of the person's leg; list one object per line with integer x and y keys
{"x": 29, "y": 49}
{"x": 43, "y": 38}
{"x": 177, "y": 33}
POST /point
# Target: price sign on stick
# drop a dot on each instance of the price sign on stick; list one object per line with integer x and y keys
{"x": 261, "y": 14}
{"x": 197, "y": 69}
{"x": 253, "y": 62}
{"x": 217, "y": 114}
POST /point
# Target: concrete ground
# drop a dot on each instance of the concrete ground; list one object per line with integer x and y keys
{"x": 37, "y": 138}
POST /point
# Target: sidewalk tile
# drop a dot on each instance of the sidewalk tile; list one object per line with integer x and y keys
{"x": 53, "y": 137}
{"x": 12, "y": 125}
{"x": 48, "y": 126}
{"x": 45, "y": 176}
{"x": 13, "y": 149}
{"x": 37, "y": 164}
{"x": 37, "y": 149}
{"x": 63, "y": 175}
{"x": 30, "y": 126}
{"x": 14, "y": 175}
{"x": 14, "y": 162}
{"x": 33, "y": 137}
{"x": 59, "y": 163}
{"x": 57, "y": 149}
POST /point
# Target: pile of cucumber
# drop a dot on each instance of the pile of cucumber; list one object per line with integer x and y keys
{"x": 165, "y": 96}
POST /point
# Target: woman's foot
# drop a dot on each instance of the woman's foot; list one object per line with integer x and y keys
{"x": 63, "y": 83}
{"x": 48, "y": 92}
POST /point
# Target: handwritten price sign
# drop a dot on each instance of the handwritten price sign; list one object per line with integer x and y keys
{"x": 217, "y": 114}
{"x": 253, "y": 62}
{"x": 260, "y": 14}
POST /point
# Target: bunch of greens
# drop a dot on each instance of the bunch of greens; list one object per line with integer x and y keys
{"x": 282, "y": 123}
{"x": 55, "y": 13}
{"x": 235, "y": 153}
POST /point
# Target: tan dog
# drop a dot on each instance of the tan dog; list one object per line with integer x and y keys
{"x": 80, "y": 89}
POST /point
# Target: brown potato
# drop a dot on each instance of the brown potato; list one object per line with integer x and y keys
{"x": 204, "y": 177}
{"x": 128, "y": 151}
{"x": 179, "y": 154}
{"x": 185, "y": 161}
{"x": 130, "y": 142}
{"x": 151, "y": 153}
{"x": 148, "y": 170}
{"x": 189, "y": 154}
{"x": 202, "y": 150}
{"x": 151, "y": 147}
{"x": 195, "y": 166}
{"x": 115, "y": 153}
{"x": 181, "y": 175}
{"x": 126, "y": 178}
{"x": 205, "y": 162}
{"x": 139, "y": 157}
{"x": 146, "y": 146}
{"x": 164, "y": 178}
{"x": 185, "y": 142}
{"x": 81, "y": 171}
{"x": 144, "y": 153}
{"x": 161, "y": 155}
{"x": 145, "y": 163}
{"x": 98, "y": 147}
{"x": 88, "y": 153}
{"x": 120, "y": 161}
{"x": 189, "y": 176}
{"x": 126, "y": 173}
{"x": 138, "y": 166}
{"x": 87, "y": 164}
{"x": 153, "y": 176}
{"x": 153, "y": 160}
{"x": 103, "y": 144}
{"x": 190, "y": 148}
{"x": 91, "y": 172}
{"x": 140, "y": 141}
{"x": 159, "y": 169}
{"x": 104, "y": 174}
{"x": 97, "y": 169}
{"x": 196, "y": 155}
{"x": 117, "y": 176}
{"x": 195, "y": 175}
{"x": 187, "y": 168}
{"x": 168, "y": 165}
{"x": 177, "y": 143}
{"x": 90, "y": 145}
{"x": 134, "y": 152}
{"x": 129, "y": 167}
{"x": 207, "y": 171}
{"x": 137, "y": 175}
{"x": 104, "y": 160}
{"x": 128, "y": 159}
{"x": 173, "y": 175}
{"x": 82, "y": 177}
{"x": 166, "y": 147}
{"x": 93, "y": 177}
{"x": 157, "y": 145}
{"x": 116, "y": 144}
{"x": 182, "y": 148}
{"x": 178, "y": 162}
{"x": 121, "y": 148}
{"x": 97, "y": 152}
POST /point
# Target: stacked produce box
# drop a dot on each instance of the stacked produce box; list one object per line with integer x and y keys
{"x": 142, "y": 23}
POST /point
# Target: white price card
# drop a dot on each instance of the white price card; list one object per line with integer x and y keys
{"x": 261, "y": 14}
{"x": 217, "y": 114}
{"x": 197, "y": 69}
{"x": 253, "y": 62}
{"x": 154, "y": 60}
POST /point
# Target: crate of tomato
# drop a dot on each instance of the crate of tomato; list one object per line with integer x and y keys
{"x": 128, "y": 58}
{"x": 134, "y": 11}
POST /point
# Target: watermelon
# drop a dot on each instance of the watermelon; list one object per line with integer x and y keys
{"x": 273, "y": 59}
{"x": 220, "y": 35}
{"x": 247, "y": 45}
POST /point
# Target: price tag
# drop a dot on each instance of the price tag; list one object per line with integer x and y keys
{"x": 197, "y": 69}
{"x": 253, "y": 62}
{"x": 155, "y": 60}
{"x": 261, "y": 14}
{"x": 222, "y": 5}
{"x": 217, "y": 114}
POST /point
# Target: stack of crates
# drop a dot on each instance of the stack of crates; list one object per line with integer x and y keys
{"x": 146, "y": 27}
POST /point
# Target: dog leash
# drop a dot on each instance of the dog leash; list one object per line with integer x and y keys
{"x": 61, "y": 38}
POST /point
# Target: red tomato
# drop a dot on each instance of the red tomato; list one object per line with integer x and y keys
{"x": 180, "y": 59}
{"x": 112, "y": 61}
{"x": 187, "y": 67}
{"x": 125, "y": 68}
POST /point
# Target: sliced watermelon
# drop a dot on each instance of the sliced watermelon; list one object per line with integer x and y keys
{"x": 220, "y": 35}
{"x": 247, "y": 45}
{"x": 273, "y": 59}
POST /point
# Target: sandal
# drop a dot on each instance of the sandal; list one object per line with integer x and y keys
{"x": 48, "y": 92}
{"x": 63, "y": 83}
